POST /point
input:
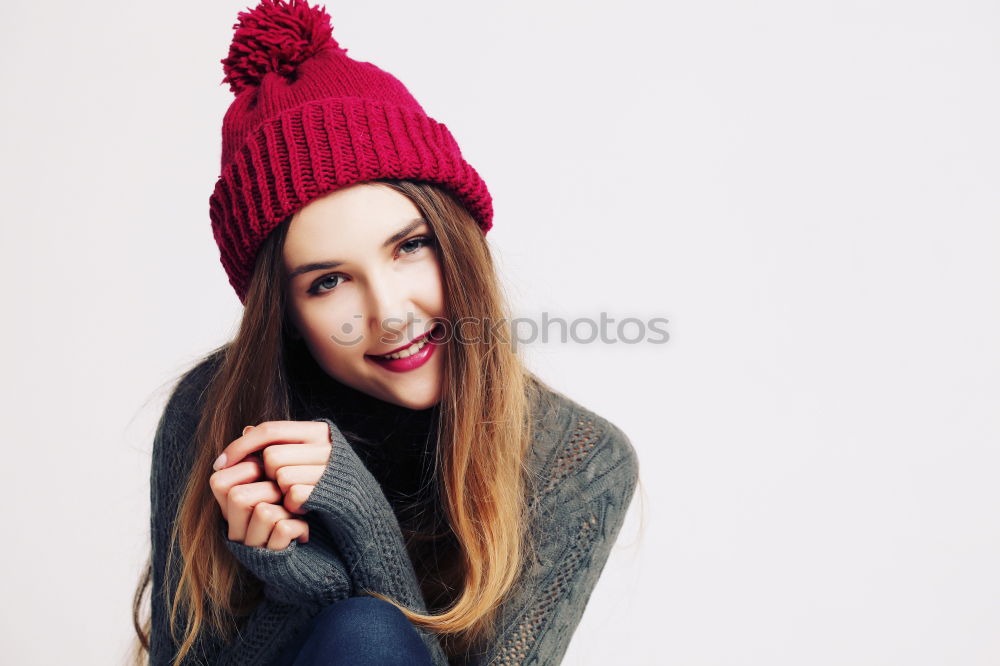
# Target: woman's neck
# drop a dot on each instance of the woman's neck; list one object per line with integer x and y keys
{"x": 396, "y": 443}
{"x": 315, "y": 391}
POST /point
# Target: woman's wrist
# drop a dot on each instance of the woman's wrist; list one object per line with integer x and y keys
{"x": 347, "y": 494}
{"x": 302, "y": 573}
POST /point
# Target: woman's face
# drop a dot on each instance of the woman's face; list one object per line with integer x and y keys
{"x": 365, "y": 281}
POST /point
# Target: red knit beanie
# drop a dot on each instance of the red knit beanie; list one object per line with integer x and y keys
{"x": 308, "y": 120}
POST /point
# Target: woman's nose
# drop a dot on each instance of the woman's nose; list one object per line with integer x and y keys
{"x": 389, "y": 311}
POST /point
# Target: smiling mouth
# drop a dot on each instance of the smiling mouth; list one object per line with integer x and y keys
{"x": 409, "y": 349}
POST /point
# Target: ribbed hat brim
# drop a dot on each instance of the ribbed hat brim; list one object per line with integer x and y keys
{"x": 321, "y": 146}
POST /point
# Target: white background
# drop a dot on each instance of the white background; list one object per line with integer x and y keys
{"x": 806, "y": 190}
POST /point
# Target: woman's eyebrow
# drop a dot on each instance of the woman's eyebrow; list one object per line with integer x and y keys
{"x": 327, "y": 265}
{"x": 402, "y": 233}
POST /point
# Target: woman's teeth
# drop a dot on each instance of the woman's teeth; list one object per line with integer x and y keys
{"x": 409, "y": 351}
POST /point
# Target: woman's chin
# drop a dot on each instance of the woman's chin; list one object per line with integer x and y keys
{"x": 415, "y": 400}
{"x": 415, "y": 393}
{"x": 417, "y": 389}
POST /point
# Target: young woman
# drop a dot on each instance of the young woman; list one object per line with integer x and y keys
{"x": 366, "y": 473}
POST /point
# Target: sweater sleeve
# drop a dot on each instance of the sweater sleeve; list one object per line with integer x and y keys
{"x": 308, "y": 574}
{"x": 349, "y": 502}
{"x": 580, "y": 507}
{"x": 294, "y": 578}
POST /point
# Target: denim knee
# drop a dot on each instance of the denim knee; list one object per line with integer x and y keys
{"x": 361, "y": 631}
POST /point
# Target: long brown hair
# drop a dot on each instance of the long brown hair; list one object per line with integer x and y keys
{"x": 483, "y": 435}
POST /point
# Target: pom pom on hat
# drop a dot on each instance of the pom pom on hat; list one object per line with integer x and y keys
{"x": 275, "y": 36}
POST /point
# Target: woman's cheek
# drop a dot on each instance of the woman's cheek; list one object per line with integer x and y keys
{"x": 338, "y": 328}
{"x": 430, "y": 287}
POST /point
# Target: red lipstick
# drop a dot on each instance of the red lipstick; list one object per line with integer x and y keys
{"x": 411, "y": 362}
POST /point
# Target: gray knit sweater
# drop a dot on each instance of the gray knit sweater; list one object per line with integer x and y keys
{"x": 584, "y": 472}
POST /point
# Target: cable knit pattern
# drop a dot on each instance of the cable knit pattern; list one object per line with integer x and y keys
{"x": 584, "y": 472}
{"x": 574, "y": 527}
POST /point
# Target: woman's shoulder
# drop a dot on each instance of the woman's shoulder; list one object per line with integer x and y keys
{"x": 183, "y": 407}
{"x": 572, "y": 441}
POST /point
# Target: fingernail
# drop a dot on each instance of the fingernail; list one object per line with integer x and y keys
{"x": 219, "y": 463}
{"x": 246, "y": 429}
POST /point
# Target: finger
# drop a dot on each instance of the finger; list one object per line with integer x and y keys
{"x": 241, "y": 501}
{"x": 287, "y": 530}
{"x": 221, "y": 482}
{"x": 262, "y": 521}
{"x": 290, "y": 475}
{"x": 296, "y": 497}
{"x": 278, "y": 455}
{"x": 266, "y": 433}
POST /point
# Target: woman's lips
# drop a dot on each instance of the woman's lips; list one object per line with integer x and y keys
{"x": 411, "y": 362}
{"x": 407, "y": 345}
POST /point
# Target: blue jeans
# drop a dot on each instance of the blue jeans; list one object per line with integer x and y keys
{"x": 359, "y": 631}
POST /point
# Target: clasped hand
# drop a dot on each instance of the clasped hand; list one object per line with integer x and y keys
{"x": 260, "y": 493}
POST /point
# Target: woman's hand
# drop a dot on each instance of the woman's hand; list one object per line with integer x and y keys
{"x": 258, "y": 497}
{"x": 252, "y": 508}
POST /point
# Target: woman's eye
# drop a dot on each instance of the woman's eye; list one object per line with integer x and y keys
{"x": 330, "y": 282}
{"x": 317, "y": 287}
{"x": 415, "y": 244}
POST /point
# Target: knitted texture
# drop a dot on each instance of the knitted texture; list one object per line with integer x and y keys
{"x": 583, "y": 471}
{"x": 308, "y": 120}
{"x": 301, "y": 574}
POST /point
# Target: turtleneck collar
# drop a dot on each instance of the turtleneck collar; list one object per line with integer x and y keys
{"x": 396, "y": 443}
